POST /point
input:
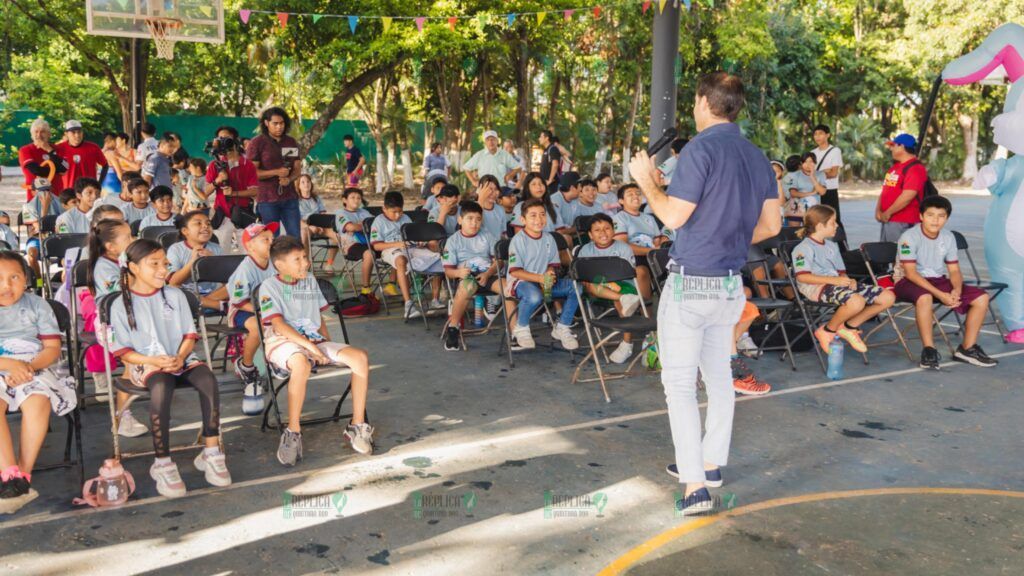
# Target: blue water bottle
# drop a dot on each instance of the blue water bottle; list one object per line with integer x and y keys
{"x": 835, "y": 359}
{"x": 478, "y": 311}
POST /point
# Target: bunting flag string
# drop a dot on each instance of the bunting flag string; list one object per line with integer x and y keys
{"x": 245, "y": 15}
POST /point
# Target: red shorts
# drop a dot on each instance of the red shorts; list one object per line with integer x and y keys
{"x": 907, "y": 291}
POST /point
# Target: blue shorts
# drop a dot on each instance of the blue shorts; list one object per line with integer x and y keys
{"x": 241, "y": 317}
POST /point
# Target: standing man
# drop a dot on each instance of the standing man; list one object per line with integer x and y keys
{"x": 83, "y": 159}
{"x": 903, "y": 189}
{"x": 39, "y": 159}
{"x": 830, "y": 162}
{"x": 354, "y": 161}
{"x": 491, "y": 160}
{"x": 723, "y": 197}
{"x": 550, "y": 161}
{"x": 149, "y": 143}
{"x": 278, "y": 166}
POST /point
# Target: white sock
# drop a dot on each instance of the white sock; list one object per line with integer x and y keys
{"x": 163, "y": 461}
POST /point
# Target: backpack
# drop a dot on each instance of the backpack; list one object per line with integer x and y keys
{"x": 360, "y": 305}
{"x": 929, "y": 186}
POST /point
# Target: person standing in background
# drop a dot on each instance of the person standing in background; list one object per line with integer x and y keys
{"x": 278, "y": 166}
{"x": 354, "y": 162}
{"x": 830, "y": 162}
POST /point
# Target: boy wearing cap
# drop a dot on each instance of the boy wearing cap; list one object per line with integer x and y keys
{"x": 446, "y": 211}
{"x": 82, "y": 158}
{"x": 493, "y": 160}
{"x": 902, "y": 191}
{"x": 255, "y": 268}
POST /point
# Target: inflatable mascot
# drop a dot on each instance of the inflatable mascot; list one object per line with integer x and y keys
{"x": 1004, "y": 226}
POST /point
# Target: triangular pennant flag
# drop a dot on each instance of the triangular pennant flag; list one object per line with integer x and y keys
{"x": 541, "y": 16}
{"x": 244, "y": 15}
{"x": 661, "y": 6}
{"x": 207, "y": 11}
{"x": 597, "y": 11}
{"x": 386, "y": 20}
{"x": 645, "y": 6}
{"x": 317, "y": 17}
{"x": 451, "y": 23}
{"x": 511, "y": 19}
{"x": 352, "y": 22}
{"x": 419, "y": 23}
{"x": 282, "y": 17}
{"x": 567, "y": 14}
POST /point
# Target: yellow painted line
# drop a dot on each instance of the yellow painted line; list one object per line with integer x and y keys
{"x": 624, "y": 562}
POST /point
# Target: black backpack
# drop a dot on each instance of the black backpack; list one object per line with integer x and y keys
{"x": 929, "y": 187}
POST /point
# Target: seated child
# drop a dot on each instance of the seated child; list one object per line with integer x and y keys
{"x": 586, "y": 204}
{"x": 197, "y": 231}
{"x": 469, "y": 257}
{"x": 821, "y": 277}
{"x": 29, "y": 345}
{"x": 637, "y": 229}
{"x": 195, "y": 196}
{"x": 445, "y": 212}
{"x": 154, "y": 335}
{"x": 139, "y": 207}
{"x": 803, "y": 186}
{"x": 6, "y": 233}
{"x": 31, "y": 216}
{"x": 76, "y": 220}
{"x": 534, "y": 188}
{"x": 386, "y": 238}
{"x": 309, "y": 204}
{"x": 349, "y": 222}
{"x": 568, "y": 192}
{"x": 607, "y": 198}
{"x": 125, "y": 197}
{"x": 495, "y": 222}
{"x": 623, "y": 295}
{"x": 532, "y": 261}
{"x": 107, "y": 242}
{"x": 508, "y": 199}
{"x": 437, "y": 183}
{"x": 256, "y": 268}
{"x": 928, "y": 271}
{"x": 296, "y": 338}
{"x": 68, "y": 202}
{"x": 162, "y": 198}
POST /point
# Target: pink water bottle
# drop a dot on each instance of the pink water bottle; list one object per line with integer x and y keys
{"x": 112, "y": 485}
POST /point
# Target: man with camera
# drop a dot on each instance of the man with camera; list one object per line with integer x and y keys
{"x": 232, "y": 178}
{"x": 278, "y": 166}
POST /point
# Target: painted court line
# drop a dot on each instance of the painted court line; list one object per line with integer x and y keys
{"x": 624, "y": 562}
{"x": 396, "y": 459}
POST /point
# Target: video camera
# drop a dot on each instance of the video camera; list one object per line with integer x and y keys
{"x": 219, "y": 149}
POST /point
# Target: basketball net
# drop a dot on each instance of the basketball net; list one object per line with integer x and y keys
{"x": 159, "y": 29}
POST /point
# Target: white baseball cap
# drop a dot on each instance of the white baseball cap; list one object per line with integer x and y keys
{"x": 490, "y": 134}
{"x": 72, "y": 125}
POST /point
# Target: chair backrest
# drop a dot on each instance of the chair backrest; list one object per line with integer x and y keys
{"x": 840, "y": 237}
{"x": 601, "y": 269}
{"x": 375, "y": 210}
{"x": 135, "y": 228}
{"x": 79, "y": 274}
{"x": 329, "y": 291}
{"x": 582, "y": 224}
{"x": 56, "y": 245}
{"x": 417, "y": 215}
{"x": 879, "y": 257}
{"x": 756, "y": 255}
{"x": 367, "y": 224}
{"x": 216, "y": 269}
{"x": 48, "y": 224}
{"x": 63, "y": 316}
{"x": 323, "y": 221}
{"x": 155, "y": 232}
{"x": 961, "y": 241}
{"x": 657, "y": 261}
{"x": 501, "y": 249}
{"x": 423, "y": 232}
{"x": 786, "y": 250}
{"x": 168, "y": 239}
{"x": 789, "y": 233}
{"x": 560, "y": 241}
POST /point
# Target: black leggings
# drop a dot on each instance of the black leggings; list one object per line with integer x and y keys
{"x": 161, "y": 387}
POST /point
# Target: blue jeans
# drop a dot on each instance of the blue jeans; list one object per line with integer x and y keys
{"x": 286, "y": 212}
{"x": 530, "y": 298}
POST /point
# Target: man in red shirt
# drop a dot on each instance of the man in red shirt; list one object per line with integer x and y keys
{"x": 83, "y": 159}
{"x": 38, "y": 159}
{"x": 902, "y": 190}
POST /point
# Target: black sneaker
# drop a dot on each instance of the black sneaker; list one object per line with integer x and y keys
{"x": 699, "y": 503}
{"x": 15, "y": 488}
{"x": 974, "y": 355}
{"x": 930, "y": 358}
{"x": 452, "y": 342}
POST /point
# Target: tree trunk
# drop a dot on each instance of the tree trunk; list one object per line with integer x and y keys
{"x": 628, "y": 142}
{"x": 556, "y": 87}
{"x": 969, "y": 128}
{"x": 391, "y": 160}
{"x": 521, "y": 74}
{"x": 607, "y": 118}
{"x": 383, "y": 183}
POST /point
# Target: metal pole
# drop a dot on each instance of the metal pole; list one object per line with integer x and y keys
{"x": 926, "y": 118}
{"x": 137, "y": 87}
{"x": 663, "y": 73}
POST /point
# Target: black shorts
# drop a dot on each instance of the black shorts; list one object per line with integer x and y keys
{"x": 356, "y": 251}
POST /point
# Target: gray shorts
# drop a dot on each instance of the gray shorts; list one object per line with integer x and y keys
{"x": 891, "y": 231}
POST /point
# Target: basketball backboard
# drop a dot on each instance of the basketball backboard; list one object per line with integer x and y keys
{"x": 201, "y": 20}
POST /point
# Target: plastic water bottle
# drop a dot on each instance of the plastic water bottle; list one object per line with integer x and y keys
{"x": 835, "y": 359}
{"x": 478, "y": 312}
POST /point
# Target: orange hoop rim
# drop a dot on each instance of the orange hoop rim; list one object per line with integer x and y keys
{"x": 158, "y": 25}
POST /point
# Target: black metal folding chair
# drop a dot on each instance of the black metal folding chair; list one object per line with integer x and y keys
{"x": 781, "y": 308}
{"x": 320, "y": 243}
{"x": 581, "y": 228}
{"x": 169, "y": 238}
{"x": 600, "y": 270}
{"x": 657, "y": 261}
{"x": 80, "y": 339}
{"x": 155, "y": 232}
{"x": 217, "y": 269}
{"x": 53, "y": 248}
{"x": 277, "y": 384}
{"x": 421, "y": 233}
{"x": 993, "y": 288}
{"x": 381, "y": 270}
{"x": 417, "y": 216}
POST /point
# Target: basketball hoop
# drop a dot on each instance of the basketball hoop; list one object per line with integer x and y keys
{"x": 159, "y": 28}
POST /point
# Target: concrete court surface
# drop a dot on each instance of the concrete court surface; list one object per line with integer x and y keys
{"x": 480, "y": 469}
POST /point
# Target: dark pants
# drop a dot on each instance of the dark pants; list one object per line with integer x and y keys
{"x": 286, "y": 212}
{"x": 831, "y": 198}
{"x": 161, "y": 387}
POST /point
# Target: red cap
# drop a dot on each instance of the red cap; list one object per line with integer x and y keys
{"x": 253, "y": 230}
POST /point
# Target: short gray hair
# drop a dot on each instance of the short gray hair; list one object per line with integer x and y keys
{"x": 37, "y": 125}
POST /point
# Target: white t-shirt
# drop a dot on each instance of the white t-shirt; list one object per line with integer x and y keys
{"x": 834, "y": 158}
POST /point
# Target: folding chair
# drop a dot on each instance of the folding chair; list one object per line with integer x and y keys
{"x": 417, "y": 216}
{"x": 782, "y": 308}
{"x": 880, "y": 258}
{"x": 453, "y": 286}
{"x": 993, "y": 288}
{"x": 599, "y": 270}
{"x": 320, "y": 241}
{"x": 216, "y": 269}
{"x": 155, "y": 232}
{"x": 135, "y": 228}
{"x": 657, "y": 261}
{"x": 103, "y": 307}
{"x": 380, "y": 268}
{"x": 48, "y": 224}
{"x": 334, "y": 302}
{"x": 169, "y": 238}
{"x": 421, "y": 233}
{"x": 580, "y": 227}
{"x": 52, "y": 251}
{"x": 73, "y": 418}
{"x": 80, "y": 339}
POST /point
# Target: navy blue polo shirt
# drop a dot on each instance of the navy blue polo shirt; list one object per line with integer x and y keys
{"x": 729, "y": 179}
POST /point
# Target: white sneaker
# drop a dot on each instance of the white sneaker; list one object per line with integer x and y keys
{"x": 361, "y": 437}
{"x": 746, "y": 346}
{"x": 168, "y": 480}
{"x": 436, "y": 304}
{"x": 630, "y": 303}
{"x": 523, "y": 339}
{"x": 563, "y": 334}
{"x": 411, "y": 311}
{"x": 215, "y": 467}
{"x": 622, "y": 353}
{"x": 129, "y": 427}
